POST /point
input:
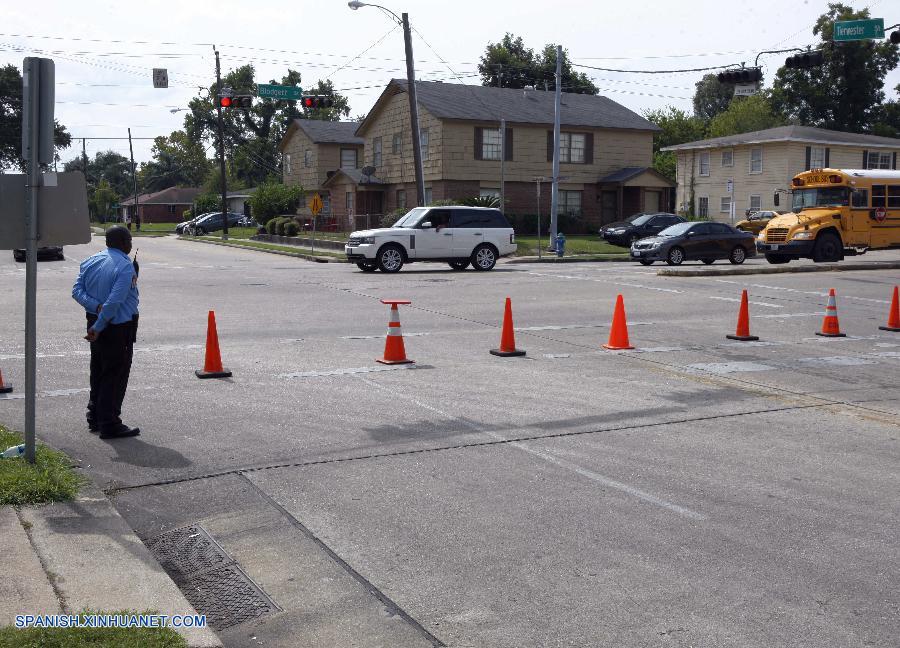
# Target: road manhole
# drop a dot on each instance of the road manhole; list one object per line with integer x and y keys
{"x": 209, "y": 578}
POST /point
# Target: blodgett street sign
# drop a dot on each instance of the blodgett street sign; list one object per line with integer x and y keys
{"x": 852, "y": 30}
{"x": 289, "y": 93}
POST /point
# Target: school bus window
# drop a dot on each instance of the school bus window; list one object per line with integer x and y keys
{"x": 878, "y": 195}
{"x": 860, "y": 198}
{"x": 894, "y": 197}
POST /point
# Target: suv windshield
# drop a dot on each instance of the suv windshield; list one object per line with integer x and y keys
{"x": 824, "y": 197}
{"x": 676, "y": 230}
{"x": 411, "y": 217}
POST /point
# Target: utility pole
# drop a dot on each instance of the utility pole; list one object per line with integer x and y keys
{"x": 137, "y": 209}
{"x": 413, "y": 112}
{"x": 554, "y": 194}
{"x": 221, "y": 148}
{"x": 84, "y": 160}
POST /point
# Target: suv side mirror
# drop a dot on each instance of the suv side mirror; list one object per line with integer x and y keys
{"x": 426, "y": 225}
{"x": 776, "y": 199}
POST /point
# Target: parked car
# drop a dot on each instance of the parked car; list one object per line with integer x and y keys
{"x": 757, "y": 221}
{"x": 182, "y": 228}
{"x": 639, "y": 226}
{"x": 213, "y": 222}
{"x": 704, "y": 241}
{"x": 453, "y": 234}
{"x": 247, "y": 221}
{"x": 43, "y": 253}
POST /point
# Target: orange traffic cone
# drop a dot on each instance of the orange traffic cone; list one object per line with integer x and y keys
{"x": 830, "y": 325}
{"x": 618, "y": 334}
{"x": 508, "y": 336}
{"x": 5, "y": 388}
{"x": 212, "y": 365}
{"x": 394, "y": 351}
{"x": 893, "y": 316}
{"x": 743, "y": 324}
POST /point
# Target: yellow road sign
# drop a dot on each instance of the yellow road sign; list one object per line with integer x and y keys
{"x": 315, "y": 204}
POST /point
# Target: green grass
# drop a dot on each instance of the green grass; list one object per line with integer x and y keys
{"x": 50, "y": 479}
{"x": 269, "y": 246}
{"x": 11, "y": 637}
{"x": 574, "y": 245}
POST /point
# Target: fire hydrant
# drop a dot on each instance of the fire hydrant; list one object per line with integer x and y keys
{"x": 560, "y": 244}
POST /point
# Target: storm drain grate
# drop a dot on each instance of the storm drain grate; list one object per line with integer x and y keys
{"x": 209, "y": 579}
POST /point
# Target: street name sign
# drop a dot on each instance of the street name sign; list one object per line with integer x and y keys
{"x": 289, "y": 93}
{"x": 853, "y": 30}
{"x": 746, "y": 89}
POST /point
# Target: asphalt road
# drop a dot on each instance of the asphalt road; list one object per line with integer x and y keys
{"x": 693, "y": 492}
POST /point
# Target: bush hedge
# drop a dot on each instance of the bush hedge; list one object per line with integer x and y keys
{"x": 291, "y": 228}
{"x": 271, "y": 199}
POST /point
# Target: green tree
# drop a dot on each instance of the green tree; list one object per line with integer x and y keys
{"x": 844, "y": 93}
{"x": 511, "y": 64}
{"x": 272, "y": 199}
{"x": 887, "y": 118}
{"x": 11, "y": 121}
{"x": 745, "y": 115}
{"x": 177, "y": 161}
{"x": 251, "y": 136}
{"x": 106, "y": 165}
{"x": 711, "y": 97}
{"x": 677, "y": 127}
{"x": 103, "y": 200}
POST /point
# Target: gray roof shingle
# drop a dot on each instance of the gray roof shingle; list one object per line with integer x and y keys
{"x": 479, "y": 103}
{"x": 327, "y": 132}
{"x": 791, "y": 134}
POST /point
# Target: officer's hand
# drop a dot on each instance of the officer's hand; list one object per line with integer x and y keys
{"x": 91, "y": 335}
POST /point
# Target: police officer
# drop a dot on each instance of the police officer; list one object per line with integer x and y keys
{"x": 107, "y": 289}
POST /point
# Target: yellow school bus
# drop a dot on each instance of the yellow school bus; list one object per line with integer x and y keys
{"x": 835, "y": 213}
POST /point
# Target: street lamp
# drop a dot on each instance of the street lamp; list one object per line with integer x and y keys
{"x": 411, "y": 91}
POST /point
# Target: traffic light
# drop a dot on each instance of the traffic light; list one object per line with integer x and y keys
{"x": 225, "y": 102}
{"x": 895, "y": 37}
{"x": 742, "y": 75}
{"x": 805, "y": 60}
{"x": 316, "y": 101}
{"x": 236, "y": 101}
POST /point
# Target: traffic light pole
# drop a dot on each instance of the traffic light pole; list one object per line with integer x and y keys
{"x": 137, "y": 208}
{"x": 414, "y": 112}
{"x": 218, "y": 101}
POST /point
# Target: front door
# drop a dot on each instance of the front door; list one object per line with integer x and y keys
{"x": 609, "y": 207}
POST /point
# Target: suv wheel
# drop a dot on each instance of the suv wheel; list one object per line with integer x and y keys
{"x": 459, "y": 265}
{"x": 390, "y": 258}
{"x": 675, "y": 256}
{"x": 484, "y": 258}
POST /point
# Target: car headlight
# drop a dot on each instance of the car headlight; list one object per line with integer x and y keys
{"x": 761, "y": 236}
{"x": 803, "y": 236}
{"x": 366, "y": 240}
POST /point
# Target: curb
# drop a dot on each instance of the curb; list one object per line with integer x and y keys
{"x": 670, "y": 272}
{"x": 569, "y": 259}
{"x": 297, "y": 255}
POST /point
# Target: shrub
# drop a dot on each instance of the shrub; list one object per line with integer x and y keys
{"x": 187, "y": 214}
{"x": 270, "y": 227}
{"x": 390, "y": 218}
{"x": 481, "y": 201}
{"x": 261, "y": 230}
{"x": 291, "y": 228}
{"x": 526, "y": 225}
{"x": 207, "y": 203}
{"x": 271, "y": 199}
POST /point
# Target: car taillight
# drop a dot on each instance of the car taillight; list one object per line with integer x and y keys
{"x": 512, "y": 238}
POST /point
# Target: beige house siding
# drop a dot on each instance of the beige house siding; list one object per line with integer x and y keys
{"x": 323, "y": 158}
{"x": 393, "y": 119}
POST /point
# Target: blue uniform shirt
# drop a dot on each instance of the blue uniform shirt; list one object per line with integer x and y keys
{"x": 108, "y": 279}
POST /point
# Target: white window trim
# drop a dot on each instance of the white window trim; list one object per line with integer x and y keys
{"x": 424, "y": 142}
{"x": 496, "y": 152}
{"x": 731, "y": 164}
{"x": 879, "y": 154}
{"x": 750, "y": 201}
{"x": 812, "y": 154}
{"x": 722, "y": 208}
{"x": 700, "y": 165}
{"x": 699, "y": 198}
{"x": 377, "y": 150}
{"x": 488, "y": 191}
{"x": 761, "y": 165}
{"x": 287, "y": 164}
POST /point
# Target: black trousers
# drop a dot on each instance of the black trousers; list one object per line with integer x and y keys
{"x": 111, "y": 356}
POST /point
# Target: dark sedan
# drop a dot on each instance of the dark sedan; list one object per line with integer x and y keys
{"x": 702, "y": 241}
{"x": 639, "y": 226}
{"x": 54, "y": 252}
{"x": 212, "y": 223}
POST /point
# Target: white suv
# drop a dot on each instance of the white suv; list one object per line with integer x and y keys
{"x": 455, "y": 235}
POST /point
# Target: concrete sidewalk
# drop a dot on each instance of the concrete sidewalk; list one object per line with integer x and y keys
{"x": 69, "y": 556}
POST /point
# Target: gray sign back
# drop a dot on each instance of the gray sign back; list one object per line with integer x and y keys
{"x": 63, "y": 217}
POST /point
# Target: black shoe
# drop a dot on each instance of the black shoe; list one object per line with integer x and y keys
{"x": 119, "y": 432}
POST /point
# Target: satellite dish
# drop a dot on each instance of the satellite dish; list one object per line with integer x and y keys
{"x": 367, "y": 172}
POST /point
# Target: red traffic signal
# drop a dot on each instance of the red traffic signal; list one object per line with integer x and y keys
{"x": 316, "y": 101}
{"x": 225, "y": 102}
{"x": 238, "y": 101}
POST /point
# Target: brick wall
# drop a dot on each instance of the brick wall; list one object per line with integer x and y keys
{"x": 161, "y": 213}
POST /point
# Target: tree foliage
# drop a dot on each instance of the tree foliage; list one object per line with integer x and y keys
{"x": 103, "y": 200}
{"x": 252, "y": 136}
{"x": 744, "y": 115}
{"x": 677, "y": 127}
{"x": 110, "y": 166}
{"x": 11, "y": 121}
{"x": 271, "y": 200}
{"x": 511, "y": 64}
{"x": 177, "y": 161}
{"x": 711, "y": 97}
{"x": 844, "y": 93}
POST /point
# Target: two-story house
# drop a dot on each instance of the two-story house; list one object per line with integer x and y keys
{"x": 748, "y": 169}
{"x": 313, "y": 150}
{"x": 605, "y": 153}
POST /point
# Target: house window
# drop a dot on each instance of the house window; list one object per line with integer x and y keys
{"x": 878, "y": 161}
{"x": 570, "y": 203}
{"x": 376, "y": 152}
{"x": 703, "y": 206}
{"x": 754, "y": 203}
{"x": 423, "y": 144}
{"x": 704, "y": 164}
{"x": 397, "y": 144}
{"x": 349, "y": 202}
{"x": 756, "y": 160}
{"x": 571, "y": 147}
{"x": 490, "y": 143}
{"x": 728, "y": 157}
{"x": 428, "y": 195}
{"x": 401, "y": 198}
{"x": 307, "y": 158}
{"x": 287, "y": 164}
{"x": 486, "y": 192}
{"x": 349, "y": 158}
{"x": 817, "y": 157}
{"x": 725, "y": 205}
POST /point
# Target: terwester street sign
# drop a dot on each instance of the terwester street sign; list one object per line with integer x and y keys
{"x": 852, "y": 30}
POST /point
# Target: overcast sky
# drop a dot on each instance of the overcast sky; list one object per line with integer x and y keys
{"x": 105, "y": 51}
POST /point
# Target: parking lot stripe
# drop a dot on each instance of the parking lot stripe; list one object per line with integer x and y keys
{"x": 735, "y": 299}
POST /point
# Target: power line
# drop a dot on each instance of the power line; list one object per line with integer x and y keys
{"x": 350, "y": 60}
